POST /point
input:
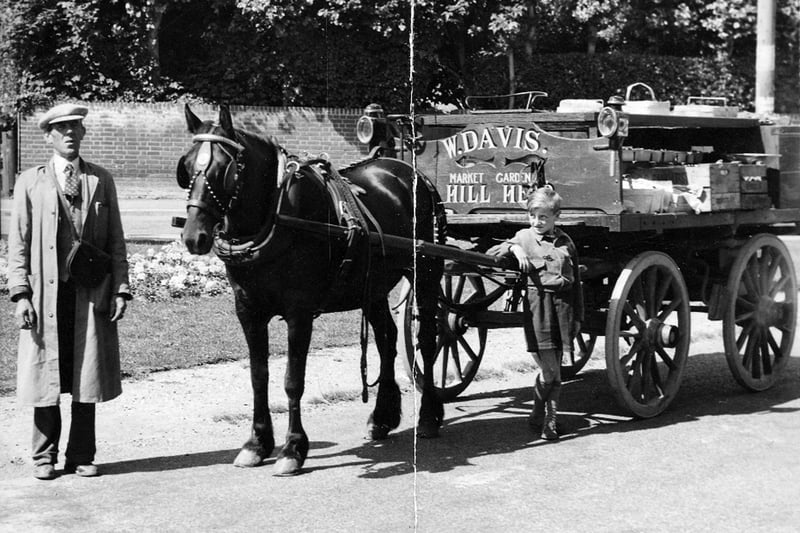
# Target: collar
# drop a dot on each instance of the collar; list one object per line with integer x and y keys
{"x": 59, "y": 162}
{"x": 548, "y": 237}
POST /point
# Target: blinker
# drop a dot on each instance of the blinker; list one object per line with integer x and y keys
{"x": 203, "y": 158}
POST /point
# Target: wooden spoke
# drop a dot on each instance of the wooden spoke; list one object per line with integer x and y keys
{"x": 673, "y": 306}
{"x": 758, "y": 325}
{"x": 468, "y": 349}
{"x": 780, "y": 286}
{"x": 583, "y": 351}
{"x": 665, "y": 357}
{"x": 459, "y": 345}
{"x": 634, "y": 315}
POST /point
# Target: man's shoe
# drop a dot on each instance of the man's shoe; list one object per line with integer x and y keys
{"x": 46, "y": 471}
{"x": 89, "y": 470}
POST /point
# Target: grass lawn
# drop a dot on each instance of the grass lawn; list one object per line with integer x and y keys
{"x": 182, "y": 333}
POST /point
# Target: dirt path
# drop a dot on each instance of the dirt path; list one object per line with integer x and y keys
{"x": 719, "y": 459}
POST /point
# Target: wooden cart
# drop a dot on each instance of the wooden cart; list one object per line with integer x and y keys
{"x": 705, "y": 240}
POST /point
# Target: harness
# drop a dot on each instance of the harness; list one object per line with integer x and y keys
{"x": 270, "y": 242}
{"x": 351, "y": 213}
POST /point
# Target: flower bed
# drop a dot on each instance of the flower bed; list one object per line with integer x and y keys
{"x": 172, "y": 272}
{"x": 157, "y": 275}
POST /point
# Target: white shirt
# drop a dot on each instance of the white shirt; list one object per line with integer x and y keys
{"x": 60, "y": 164}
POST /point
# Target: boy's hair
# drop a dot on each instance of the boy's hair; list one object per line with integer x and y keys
{"x": 544, "y": 198}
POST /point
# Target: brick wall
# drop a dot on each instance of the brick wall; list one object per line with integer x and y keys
{"x": 141, "y": 143}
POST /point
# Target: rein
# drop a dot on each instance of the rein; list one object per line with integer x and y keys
{"x": 203, "y": 162}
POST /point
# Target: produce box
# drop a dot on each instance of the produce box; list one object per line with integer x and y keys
{"x": 754, "y": 186}
{"x": 646, "y": 200}
{"x": 755, "y": 171}
{"x": 720, "y": 177}
{"x": 707, "y": 200}
{"x": 723, "y": 201}
{"x": 756, "y": 201}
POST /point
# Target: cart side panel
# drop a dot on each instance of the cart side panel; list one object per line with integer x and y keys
{"x": 487, "y": 167}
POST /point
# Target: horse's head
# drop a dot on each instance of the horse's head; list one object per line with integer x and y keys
{"x": 215, "y": 171}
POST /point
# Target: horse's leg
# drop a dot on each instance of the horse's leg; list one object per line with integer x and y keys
{"x": 261, "y": 442}
{"x": 294, "y": 452}
{"x": 386, "y": 415}
{"x": 431, "y": 413}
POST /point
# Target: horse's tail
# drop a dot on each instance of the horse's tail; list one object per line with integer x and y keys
{"x": 439, "y": 215}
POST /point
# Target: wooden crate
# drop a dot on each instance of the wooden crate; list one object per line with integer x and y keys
{"x": 757, "y": 171}
{"x": 756, "y": 186}
{"x": 720, "y": 177}
{"x": 723, "y": 201}
{"x": 755, "y": 201}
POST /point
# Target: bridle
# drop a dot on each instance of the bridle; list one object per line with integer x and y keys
{"x": 233, "y": 171}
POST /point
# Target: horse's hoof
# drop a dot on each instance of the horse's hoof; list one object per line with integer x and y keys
{"x": 287, "y": 466}
{"x": 377, "y": 431}
{"x": 428, "y": 431}
{"x": 248, "y": 458}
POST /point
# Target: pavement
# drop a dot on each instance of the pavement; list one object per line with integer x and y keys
{"x": 142, "y": 219}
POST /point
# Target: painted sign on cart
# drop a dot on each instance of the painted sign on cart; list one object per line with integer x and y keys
{"x": 489, "y": 166}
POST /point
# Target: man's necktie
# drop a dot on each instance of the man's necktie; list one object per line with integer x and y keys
{"x": 71, "y": 181}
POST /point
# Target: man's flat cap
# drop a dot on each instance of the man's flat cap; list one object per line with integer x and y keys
{"x": 62, "y": 113}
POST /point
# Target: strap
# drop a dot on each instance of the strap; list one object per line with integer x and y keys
{"x": 67, "y": 208}
{"x": 210, "y": 137}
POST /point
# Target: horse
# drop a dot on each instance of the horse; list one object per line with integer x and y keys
{"x": 241, "y": 186}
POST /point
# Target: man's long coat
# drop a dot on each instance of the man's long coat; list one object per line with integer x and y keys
{"x": 33, "y": 268}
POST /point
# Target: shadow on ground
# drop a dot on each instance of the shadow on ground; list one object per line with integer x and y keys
{"x": 495, "y": 422}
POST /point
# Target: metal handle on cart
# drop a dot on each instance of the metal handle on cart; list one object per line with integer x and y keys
{"x": 710, "y": 100}
{"x": 532, "y": 96}
{"x": 632, "y": 85}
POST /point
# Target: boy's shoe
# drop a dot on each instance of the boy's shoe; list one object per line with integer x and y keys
{"x": 46, "y": 471}
{"x": 550, "y": 430}
{"x": 89, "y": 470}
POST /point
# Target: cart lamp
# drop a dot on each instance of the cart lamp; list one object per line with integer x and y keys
{"x": 371, "y": 127}
{"x": 364, "y": 129}
{"x": 607, "y": 121}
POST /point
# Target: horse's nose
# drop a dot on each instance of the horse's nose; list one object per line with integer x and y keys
{"x": 198, "y": 242}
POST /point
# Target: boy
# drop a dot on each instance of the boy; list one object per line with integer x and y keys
{"x": 555, "y": 301}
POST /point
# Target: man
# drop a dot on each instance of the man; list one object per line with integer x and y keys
{"x": 68, "y": 332}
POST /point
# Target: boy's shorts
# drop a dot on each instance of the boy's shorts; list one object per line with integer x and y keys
{"x": 548, "y": 321}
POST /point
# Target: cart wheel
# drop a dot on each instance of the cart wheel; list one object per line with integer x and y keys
{"x": 459, "y": 345}
{"x": 647, "y": 334}
{"x": 585, "y": 342}
{"x": 758, "y": 325}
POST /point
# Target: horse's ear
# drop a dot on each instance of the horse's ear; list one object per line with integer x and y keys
{"x": 192, "y": 121}
{"x": 225, "y": 121}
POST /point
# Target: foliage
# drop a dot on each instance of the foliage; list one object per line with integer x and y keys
{"x": 339, "y": 53}
{"x": 603, "y": 75}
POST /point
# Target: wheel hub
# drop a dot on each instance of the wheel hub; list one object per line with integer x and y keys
{"x": 456, "y": 324}
{"x": 660, "y": 334}
{"x": 768, "y": 311}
